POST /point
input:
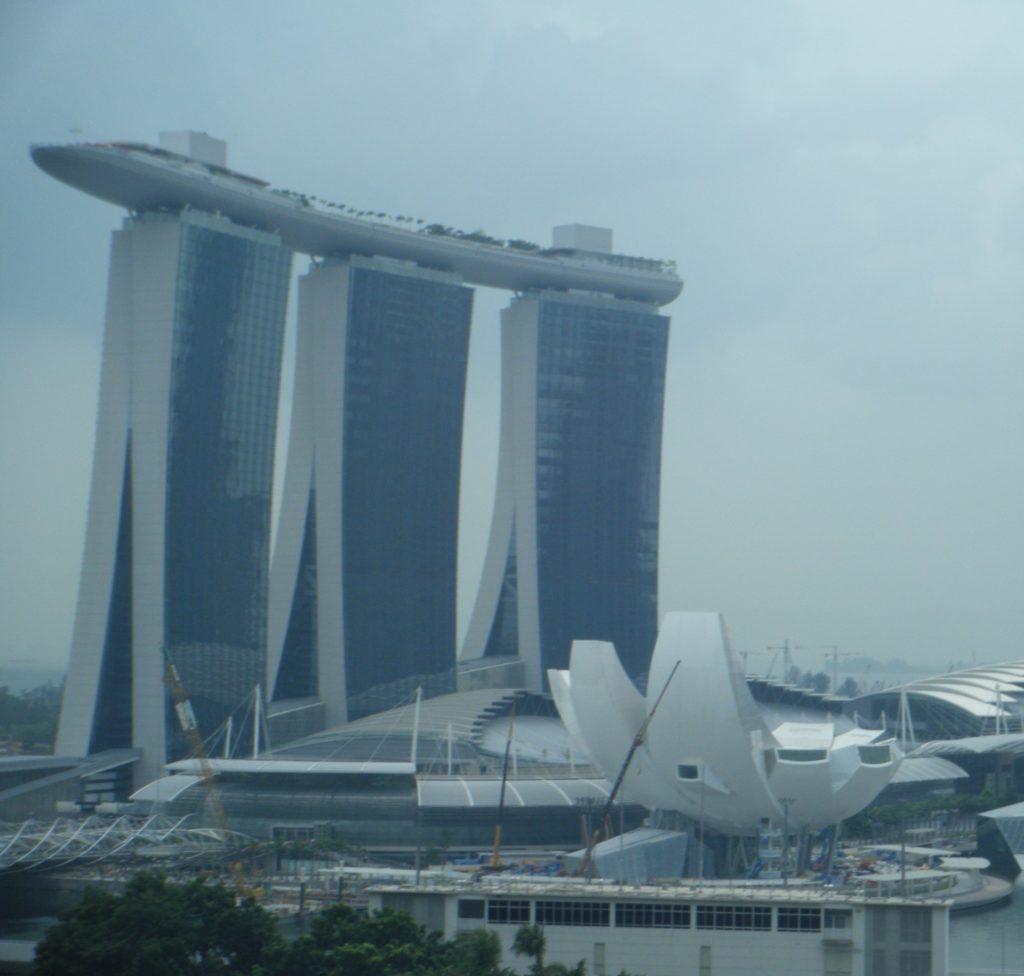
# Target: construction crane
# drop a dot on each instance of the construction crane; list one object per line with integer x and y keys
{"x": 190, "y": 729}
{"x": 638, "y": 741}
{"x": 496, "y": 862}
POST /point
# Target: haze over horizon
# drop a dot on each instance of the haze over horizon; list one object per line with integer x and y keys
{"x": 841, "y": 189}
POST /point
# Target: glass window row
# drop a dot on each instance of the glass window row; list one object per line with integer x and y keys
{"x": 678, "y": 915}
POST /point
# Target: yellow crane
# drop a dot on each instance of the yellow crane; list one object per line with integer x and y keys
{"x": 190, "y": 729}
{"x": 496, "y": 862}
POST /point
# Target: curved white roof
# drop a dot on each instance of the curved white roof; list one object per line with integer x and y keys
{"x": 459, "y": 791}
{"x": 1011, "y": 743}
{"x": 983, "y": 692}
{"x": 959, "y": 698}
{"x": 926, "y": 769}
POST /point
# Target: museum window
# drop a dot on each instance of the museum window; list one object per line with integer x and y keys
{"x": 802, "y": 755}
{"x": 874, "y": 755}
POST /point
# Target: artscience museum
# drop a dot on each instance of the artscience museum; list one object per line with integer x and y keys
{"x": 709, "y": 751}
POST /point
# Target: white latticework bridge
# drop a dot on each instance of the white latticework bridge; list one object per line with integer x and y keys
{"x": 37, "y": 845}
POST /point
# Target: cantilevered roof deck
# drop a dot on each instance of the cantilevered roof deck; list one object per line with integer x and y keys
{"x": 144, "y": 178}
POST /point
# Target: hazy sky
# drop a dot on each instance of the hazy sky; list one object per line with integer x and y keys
{"x": 842, "y": 186}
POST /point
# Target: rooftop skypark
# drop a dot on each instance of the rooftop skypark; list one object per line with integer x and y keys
{"x": 141, "y": 177}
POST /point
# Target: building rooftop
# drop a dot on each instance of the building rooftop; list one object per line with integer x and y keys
{"x": 141, "y": 177}
{"x": 498, "y": 886}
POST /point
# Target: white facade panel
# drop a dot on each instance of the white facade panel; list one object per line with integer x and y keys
{"x": 327, "y": 293}
{"x": 78, "y": 707}
{"x": 155, "y": 260}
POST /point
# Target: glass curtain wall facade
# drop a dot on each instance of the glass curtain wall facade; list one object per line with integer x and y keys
{"x": 177, "y": 540}
{"x": 573, "y": 552}
{"x": 363, "y": 590}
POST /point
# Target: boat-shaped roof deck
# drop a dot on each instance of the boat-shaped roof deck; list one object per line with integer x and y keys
{"x": 142, "y": 178}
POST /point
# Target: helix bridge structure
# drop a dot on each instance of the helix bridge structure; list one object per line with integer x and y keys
{"x": 126, "y": 841}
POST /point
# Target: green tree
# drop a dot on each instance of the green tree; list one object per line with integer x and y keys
{"x": 531, "y": 942}
{"x": 561, "y": 969}
{"x": 344, "y": 942}
{"x": 476, "y": 953}
{"x": 159, "y": 929}
{"x": 849, "y": 688}
{"x": 30, "y": 717}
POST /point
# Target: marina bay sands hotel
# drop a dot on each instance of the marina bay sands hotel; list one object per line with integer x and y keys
{"x": 356, "y": 607}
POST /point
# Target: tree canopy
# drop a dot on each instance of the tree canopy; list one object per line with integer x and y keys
{"x": 29, "y": 718}
{"x": 159, "y": 929}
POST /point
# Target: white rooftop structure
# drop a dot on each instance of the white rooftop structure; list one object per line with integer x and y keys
{"x": 196, "y": 145}
{"x": 582, "y": 237}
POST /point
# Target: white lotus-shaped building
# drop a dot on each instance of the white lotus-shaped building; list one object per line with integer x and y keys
{"x": 709, "y": 751}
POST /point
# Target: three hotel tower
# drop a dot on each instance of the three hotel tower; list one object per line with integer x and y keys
{"x": 356, "y": 605}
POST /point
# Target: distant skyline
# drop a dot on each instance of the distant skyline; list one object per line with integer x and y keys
{"x": 841, "y": 189}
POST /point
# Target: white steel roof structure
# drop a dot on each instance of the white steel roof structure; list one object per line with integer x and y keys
{"x": 1008, "y": 743}
{"x": 926, "y": 769}
{"x": 466, "y": 792}
{"x": 972, "y": 702}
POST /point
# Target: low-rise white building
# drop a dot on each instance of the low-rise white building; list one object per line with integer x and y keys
{"x": 704, "y": 930}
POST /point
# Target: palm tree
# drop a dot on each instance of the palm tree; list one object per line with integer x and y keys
{"x": 478, "y": 953}
{"x": 530, "y": 941}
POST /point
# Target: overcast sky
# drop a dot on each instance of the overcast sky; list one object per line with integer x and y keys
{"x": 841, "y": 184}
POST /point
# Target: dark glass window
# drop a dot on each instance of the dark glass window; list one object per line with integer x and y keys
{"x": 802, "y": 755}
{"x": 405, "y": 368}
{"x": 572, "y": 912}
{"x": 229, "y": 309}
{"x": 600, "y": 386}
{"x": 508, "y": 910}
{"x": 874, "y": 755}
{"x": 758, "y": 917}
{"x": 743, "y": 917}
{"x": 471, "y": 908}
{"x": 652, "y": 915}
{"x": 799, "y": 919}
